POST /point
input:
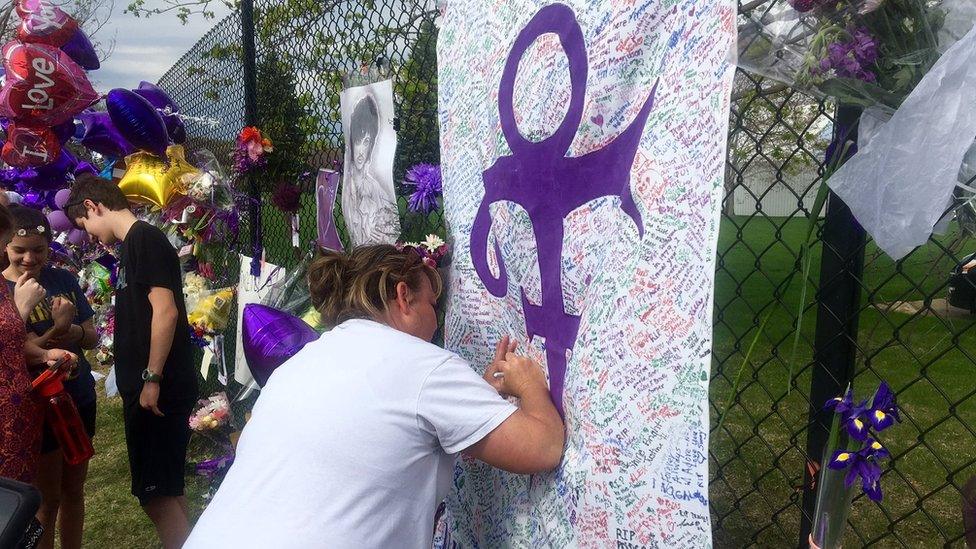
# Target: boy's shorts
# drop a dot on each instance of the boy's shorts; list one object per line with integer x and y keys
{"x": 157, "y": 449}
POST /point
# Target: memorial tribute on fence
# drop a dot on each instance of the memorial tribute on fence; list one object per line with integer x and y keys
{"x": 582, "y": 149}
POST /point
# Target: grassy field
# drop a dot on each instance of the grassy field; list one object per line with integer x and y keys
{"x": 757, "y": 460}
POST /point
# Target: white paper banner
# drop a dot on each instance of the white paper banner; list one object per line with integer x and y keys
{"x": 583, "y": 149}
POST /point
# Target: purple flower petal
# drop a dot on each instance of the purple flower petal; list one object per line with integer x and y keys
{"x": 426, "y": 181}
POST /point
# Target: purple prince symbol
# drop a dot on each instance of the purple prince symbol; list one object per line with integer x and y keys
{"x": 549, "y": 186}
{"x": 326, "y": 185}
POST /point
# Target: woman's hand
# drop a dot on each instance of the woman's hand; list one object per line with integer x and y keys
{"x": 504, "y": 346}
{"x": 27, "y": 294}
{"x": 63, "y": 312}
{"x": 519, "y": 375}
{"x": 511, "y": 374}
{"x": 53, "y": 356}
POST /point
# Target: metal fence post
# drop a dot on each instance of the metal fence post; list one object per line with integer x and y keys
{"x": 838, "y": 297}
{"x": 249, "y": 61}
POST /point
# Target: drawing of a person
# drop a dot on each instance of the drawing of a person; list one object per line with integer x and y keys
{"x": 368, "y": 206}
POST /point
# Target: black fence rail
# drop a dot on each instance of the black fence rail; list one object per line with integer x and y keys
{"x": 863, "y": 317}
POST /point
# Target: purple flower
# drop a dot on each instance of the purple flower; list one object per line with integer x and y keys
{"x": 852, "y": 57}
{"x": 864, "y": 464}
{"x": 883, "y": 412}
{"x": 287, "y": 197}
{"x": 426, "y": 181}
{"x": 864, "y": 47}
{"x": 852, "y": 415}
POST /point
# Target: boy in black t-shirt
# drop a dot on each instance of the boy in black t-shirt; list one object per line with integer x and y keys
{"x": 153, "y": 352}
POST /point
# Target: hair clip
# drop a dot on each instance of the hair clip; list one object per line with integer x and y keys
{"x": 24, "y": 232}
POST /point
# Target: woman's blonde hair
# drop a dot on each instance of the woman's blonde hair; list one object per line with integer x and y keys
{"x": 361, "y": 283}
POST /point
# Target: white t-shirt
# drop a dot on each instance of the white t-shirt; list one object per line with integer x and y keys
{"x": 351, "y": 444}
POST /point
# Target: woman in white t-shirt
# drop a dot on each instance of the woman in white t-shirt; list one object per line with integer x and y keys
{"x": 353, "y": 441}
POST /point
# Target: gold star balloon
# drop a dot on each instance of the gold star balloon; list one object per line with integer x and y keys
{"x": 151, "y": 180}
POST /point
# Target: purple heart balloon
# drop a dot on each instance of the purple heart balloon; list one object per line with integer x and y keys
{"x": 138, "y": 121}
{"x": 53, "y": 176}
{"x": 79, "y": 48}
{"x": 271, "y": 337}
{"x": 101, "y": 136}
{"x": 161, "y": 100}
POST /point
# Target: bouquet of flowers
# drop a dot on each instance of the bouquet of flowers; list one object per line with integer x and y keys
{"x": 251, "y": 150}
{"x": 210, "y": 314}
{"x": 855, "y": 456}
{"x": 862, "y": 52}
{"x": 208, "y": 216}
{"x": 212, "y": 414}
{"x": 211, "y": 421}
{"x": 97, "y": 280}
{"x": 433, "y": 250}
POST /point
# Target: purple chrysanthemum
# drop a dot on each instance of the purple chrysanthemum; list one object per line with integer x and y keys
{"x": 426, "y": 181}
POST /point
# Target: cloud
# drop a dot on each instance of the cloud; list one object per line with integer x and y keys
{"x": 145, "y": 48}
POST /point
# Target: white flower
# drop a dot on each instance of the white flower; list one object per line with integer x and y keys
{"x": 868, "y": 6}
{"x": 433, "y": 242}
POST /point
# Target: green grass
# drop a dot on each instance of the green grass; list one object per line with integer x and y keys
{"x": 758, "y": 460}
{"x": 113, "y": 517}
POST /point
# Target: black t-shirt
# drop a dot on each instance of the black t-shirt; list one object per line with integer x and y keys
{"x": 148, "y": 260}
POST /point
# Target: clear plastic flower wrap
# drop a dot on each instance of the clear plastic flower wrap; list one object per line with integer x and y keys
{"x": 212, "y": 310}
{"x": 291, "y": 294}
{"x": 862, "y": 52}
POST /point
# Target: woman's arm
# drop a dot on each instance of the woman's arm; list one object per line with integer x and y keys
{"x": 531, "y": 440}
{"x": 36, "y": 355}
{"x": 82, "y": 335}
{"x": 62, "y": 312}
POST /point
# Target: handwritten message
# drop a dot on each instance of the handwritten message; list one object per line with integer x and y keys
{"x": 561, "y": 218}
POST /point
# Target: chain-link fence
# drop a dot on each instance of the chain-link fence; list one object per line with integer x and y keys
{"x": 864, "y": 317}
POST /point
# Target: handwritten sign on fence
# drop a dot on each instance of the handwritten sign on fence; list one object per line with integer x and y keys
{"x": 583, "y": 147}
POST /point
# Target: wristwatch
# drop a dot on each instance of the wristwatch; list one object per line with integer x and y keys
{"x": 150, "y": 377}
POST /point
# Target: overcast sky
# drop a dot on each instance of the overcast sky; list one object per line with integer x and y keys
{"x": 146, "y": 47}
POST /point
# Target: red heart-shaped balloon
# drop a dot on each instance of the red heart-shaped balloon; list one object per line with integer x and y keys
{"x": 44, "y": 87}
{"x": 44, "y": 23}
{"x": 30, "y": 146}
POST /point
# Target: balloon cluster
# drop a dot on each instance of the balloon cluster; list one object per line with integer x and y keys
{"x": 45, "y": 84}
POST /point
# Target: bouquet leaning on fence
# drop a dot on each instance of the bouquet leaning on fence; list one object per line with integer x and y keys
{"x": 853, "y": 454}
{"x": 212, "y": 425}
{"x": 861, "y": 52}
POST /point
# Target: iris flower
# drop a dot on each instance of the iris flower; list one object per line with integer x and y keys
{"x": 853, "y": 416}
{"x": 883, "y": 412}
{"x": 864, "y": 464}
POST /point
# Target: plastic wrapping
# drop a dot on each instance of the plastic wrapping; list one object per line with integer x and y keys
{"x": 291, "y": 293}
{"x": 960, "y": 16}
{"x": 212, "y": 310}
{"x": 863, "y": 52}
{"x": 964, "y": 197}
{"x": 900, "y": 184}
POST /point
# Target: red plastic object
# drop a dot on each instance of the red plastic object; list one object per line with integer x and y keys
{"x": 63, "y": 417}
